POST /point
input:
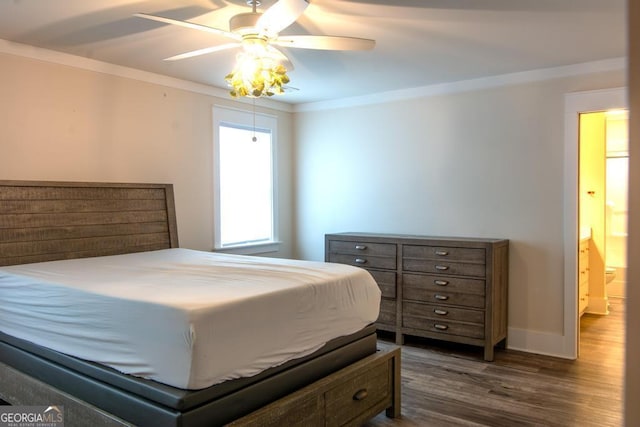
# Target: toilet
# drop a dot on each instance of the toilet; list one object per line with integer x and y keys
{"x": 610, "y": 274}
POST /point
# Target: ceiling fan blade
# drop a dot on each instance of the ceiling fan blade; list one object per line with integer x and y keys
{"x": 202, "y": 51}
{"x": 279, "y": 16}
{"x": 188, "y": 24}
{"x": 279, "y": 56}
{"x": 325, "y": 42}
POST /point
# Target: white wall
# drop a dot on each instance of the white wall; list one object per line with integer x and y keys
{"x": 484, "y": 163}
{"x": 479, "y": 163}
{"x": 70, "y": 124}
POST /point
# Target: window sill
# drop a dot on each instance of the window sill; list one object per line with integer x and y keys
{"x": 252, "y": 249}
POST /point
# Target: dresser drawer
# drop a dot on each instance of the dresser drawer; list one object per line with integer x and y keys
{"x": 448, "y": 298}
{"x": 386, "y": 282}
{"x": 436, "y": 312}
{"x": 387, "y": 314}
{"x": 443, "y": 267}
{"x": 349, "y": 400}
{"x": 412, "y": 283}
{"x": 364, "y": 261}
{"x": 443, "y": 327}
{"x": 360, "y": 248}
{"x": 444, "y": 253}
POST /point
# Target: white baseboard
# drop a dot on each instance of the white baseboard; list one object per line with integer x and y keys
{"x": 598, "y": 306}
{"x": 541, "y": 343}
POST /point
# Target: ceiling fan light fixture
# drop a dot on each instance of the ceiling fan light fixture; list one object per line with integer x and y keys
{"x": 256, "y": 75}
{"x": 261, "y": 69}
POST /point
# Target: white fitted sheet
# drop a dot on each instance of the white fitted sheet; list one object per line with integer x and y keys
{"x": 185, "y": 318}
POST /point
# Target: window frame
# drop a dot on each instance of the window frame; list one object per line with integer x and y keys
{"x": 243, "y": 119}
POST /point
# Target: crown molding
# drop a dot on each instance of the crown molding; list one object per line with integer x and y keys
{"x": 612, "y": 64}
{"x": 60, "y": 58}
{"x": 28, "y": 51}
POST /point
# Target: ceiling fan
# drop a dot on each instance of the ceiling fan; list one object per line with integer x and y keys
{"x": 261, "y": 68}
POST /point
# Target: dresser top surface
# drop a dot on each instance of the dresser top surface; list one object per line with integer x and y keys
{"x": 409, "y": 238}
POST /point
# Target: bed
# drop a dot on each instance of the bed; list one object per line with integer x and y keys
{"x": 342, "y": 379}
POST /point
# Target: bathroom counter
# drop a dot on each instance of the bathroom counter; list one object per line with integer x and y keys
{"x": 585, "y": 233}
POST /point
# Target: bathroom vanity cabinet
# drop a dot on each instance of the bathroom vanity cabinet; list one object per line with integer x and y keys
{"x": 583, "y": 276}
{"x": 452, "y": 289}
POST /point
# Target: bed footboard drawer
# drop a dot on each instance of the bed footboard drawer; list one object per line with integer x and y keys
{"x": 352, "y": 401}
{"x": 304, "y": 411}
{"x": 348, "y": 397}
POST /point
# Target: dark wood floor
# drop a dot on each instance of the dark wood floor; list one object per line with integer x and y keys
{"x": 447, "y": 385}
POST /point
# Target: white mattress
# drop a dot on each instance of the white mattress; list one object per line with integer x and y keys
{"x": 185, "y": 318}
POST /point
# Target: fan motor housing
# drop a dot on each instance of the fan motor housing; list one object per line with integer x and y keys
{"x": 244, "y": 23}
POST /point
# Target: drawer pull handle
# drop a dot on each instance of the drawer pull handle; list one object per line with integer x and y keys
{"x": 440, "y": 327}
{"x": 361, "y": 247}
{"x": 442, "y": 253}
{"x": 442, "y": 267}
{"x": 440, "y": 312}
{"x": 361, "y": 261}
{"x": 441, "y": 282}
{"x": 441, "y": 297}
{"x": 361, "y": 394}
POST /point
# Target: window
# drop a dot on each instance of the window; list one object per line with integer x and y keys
{"x": 244, "y": 181}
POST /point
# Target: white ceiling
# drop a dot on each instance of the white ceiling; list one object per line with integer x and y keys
{"x": 418, "y": 42}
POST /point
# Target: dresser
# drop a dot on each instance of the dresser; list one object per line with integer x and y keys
{"x": 444, "y": 288}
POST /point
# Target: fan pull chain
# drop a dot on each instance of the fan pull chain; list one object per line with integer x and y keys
{"x": 254, "y": 139}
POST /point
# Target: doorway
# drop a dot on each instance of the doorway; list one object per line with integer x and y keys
{"x": 602, "y": 214}
{"x": 576, "y": 104}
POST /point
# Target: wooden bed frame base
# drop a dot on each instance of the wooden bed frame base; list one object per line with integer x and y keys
{"x": 21, "y": 389}
{"x": 309, "y": 406}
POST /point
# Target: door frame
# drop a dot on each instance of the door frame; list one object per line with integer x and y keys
{"x": 576, "y": 103}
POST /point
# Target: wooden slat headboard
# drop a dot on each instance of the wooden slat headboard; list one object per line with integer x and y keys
{"x": 46, "y": 221}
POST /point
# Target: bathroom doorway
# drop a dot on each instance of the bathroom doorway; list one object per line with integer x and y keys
{"x": 578, "y": 103}
{"x": 602, "y": 212}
